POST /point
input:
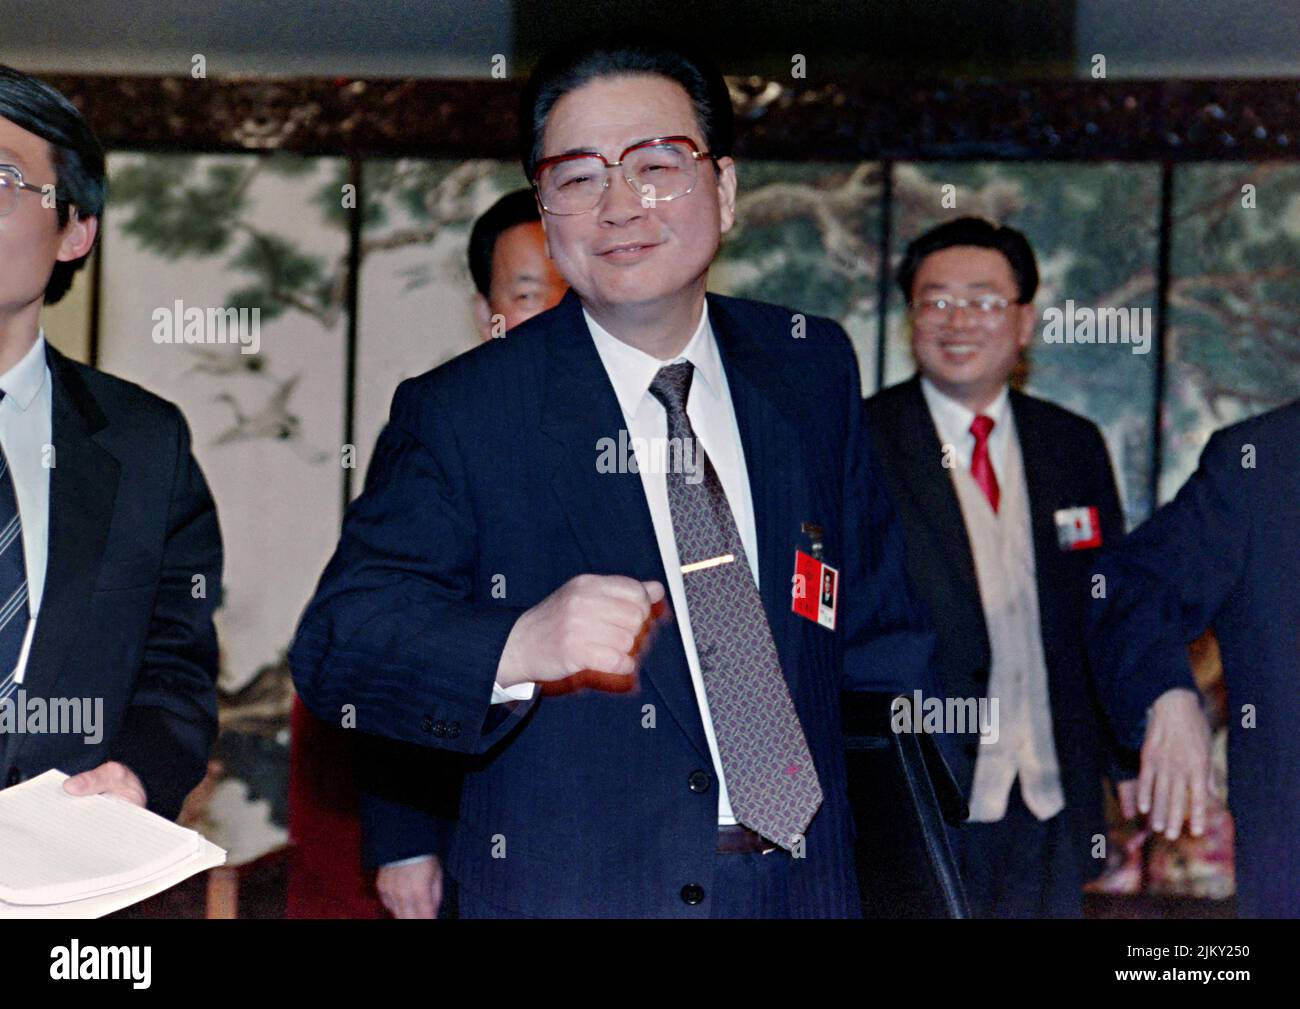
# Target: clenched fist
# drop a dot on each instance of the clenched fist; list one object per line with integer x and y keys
{"x": 591, "y": 622}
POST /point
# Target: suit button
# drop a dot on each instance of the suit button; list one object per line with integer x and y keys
{"x": 698, "y": 782}
{"x": 15, "y": 777}
{"x": 692, "y": 893}
{"x": 439, "y": 728}
{"x": 426, "y": 723}
{"x": 453, "y": 730}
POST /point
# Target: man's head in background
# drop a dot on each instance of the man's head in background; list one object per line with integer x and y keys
{"x": 507, "y": 258}
{"x": 969, "y": 287}
{"x": 635, "y": 240}
{"x": 51, "y": 196}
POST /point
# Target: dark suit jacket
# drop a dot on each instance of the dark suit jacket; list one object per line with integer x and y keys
{"x": 131, "y": 524}
{"x": 1065, "y": 466}
{"x": 1225, "y": 553}
{"x": 408, "y": 796}
{"x": 601, "y": 803}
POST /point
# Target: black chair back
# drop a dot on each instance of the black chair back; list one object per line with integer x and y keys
{"x": 904, "y": 798}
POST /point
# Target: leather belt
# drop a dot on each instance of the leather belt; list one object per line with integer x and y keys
{"x": 736, "y": 838}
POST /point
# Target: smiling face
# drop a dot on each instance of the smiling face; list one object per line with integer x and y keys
{"x": 623, "y": 256}
{"x": 968, "y": 356}
{"x": 31, "y": 241}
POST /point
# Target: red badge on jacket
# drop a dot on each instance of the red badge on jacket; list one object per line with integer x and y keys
{"x": 816, "y": 588}
{"x": 1078, "y": 528}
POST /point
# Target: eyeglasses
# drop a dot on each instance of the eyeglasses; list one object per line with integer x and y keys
{"x": 11, "y": 184}
{"x": 987, "y": 309}
{"x": 658, "y": 170}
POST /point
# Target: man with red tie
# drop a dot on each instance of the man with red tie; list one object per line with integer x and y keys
{"x": 1004, "y": 499}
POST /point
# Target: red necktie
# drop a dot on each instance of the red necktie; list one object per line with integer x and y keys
{"x": 981, "y": 468}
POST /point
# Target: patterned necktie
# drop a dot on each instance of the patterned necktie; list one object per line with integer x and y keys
{"x": 769, "y": 770}
{"x": 981, "y": 467}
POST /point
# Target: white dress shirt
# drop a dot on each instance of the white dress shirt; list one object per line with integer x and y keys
{"x": 26, "y": 434}
{"x": 953, "y": 421}
{"x": 712, "y": 416}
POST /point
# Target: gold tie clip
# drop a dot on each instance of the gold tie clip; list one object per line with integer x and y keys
{"x": 712, "y": 562}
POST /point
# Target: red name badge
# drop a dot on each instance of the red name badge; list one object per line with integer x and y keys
{"x": 1078, "y": 528}
{"x": 816, "y": 588}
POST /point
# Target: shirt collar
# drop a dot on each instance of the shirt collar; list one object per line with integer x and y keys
{"x": 954, "y": 417}
{"x": 631, "y": 370}
{"x": 24, "y": 380}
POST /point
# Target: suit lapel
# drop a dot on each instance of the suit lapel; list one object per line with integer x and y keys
{"x": 83, "y": 490}
{"x": 578, "y": 410}
{"x": 779, "y": 486}
{"x": 920, "y": 455}
{"x": 607, "y": 512}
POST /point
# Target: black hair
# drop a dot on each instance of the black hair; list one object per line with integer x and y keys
{"x": 978, "y": 232}
{"x": 519, "y": 207}
{"x": 75, "y": 151}
{"x": 570, "y": 68}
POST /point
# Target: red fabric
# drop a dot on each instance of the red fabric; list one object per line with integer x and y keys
{"x": 981, "y": 468}
{"x": 326, "y": 878}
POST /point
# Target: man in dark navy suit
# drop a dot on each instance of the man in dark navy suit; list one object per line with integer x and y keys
{"x": 1225, "y": 553}
{"x": 1004, "y": 499}
{"x": 110, "y": 554}
{"x": 574, "y": 560}
{"x": 409, "y": 794}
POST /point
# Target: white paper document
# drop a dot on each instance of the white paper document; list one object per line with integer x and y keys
{"x": 67, "y": 856}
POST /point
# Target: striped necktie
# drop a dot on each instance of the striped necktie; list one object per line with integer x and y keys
{"x": 768, "y": 768}
{"x": 13, "y": 580}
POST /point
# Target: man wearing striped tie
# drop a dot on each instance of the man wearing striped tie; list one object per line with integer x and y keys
{"x": 110, "y": 554}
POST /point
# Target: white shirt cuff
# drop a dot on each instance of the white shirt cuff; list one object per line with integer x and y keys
{"x": 407, "y": 861}
{"x": 519, "y": 692}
